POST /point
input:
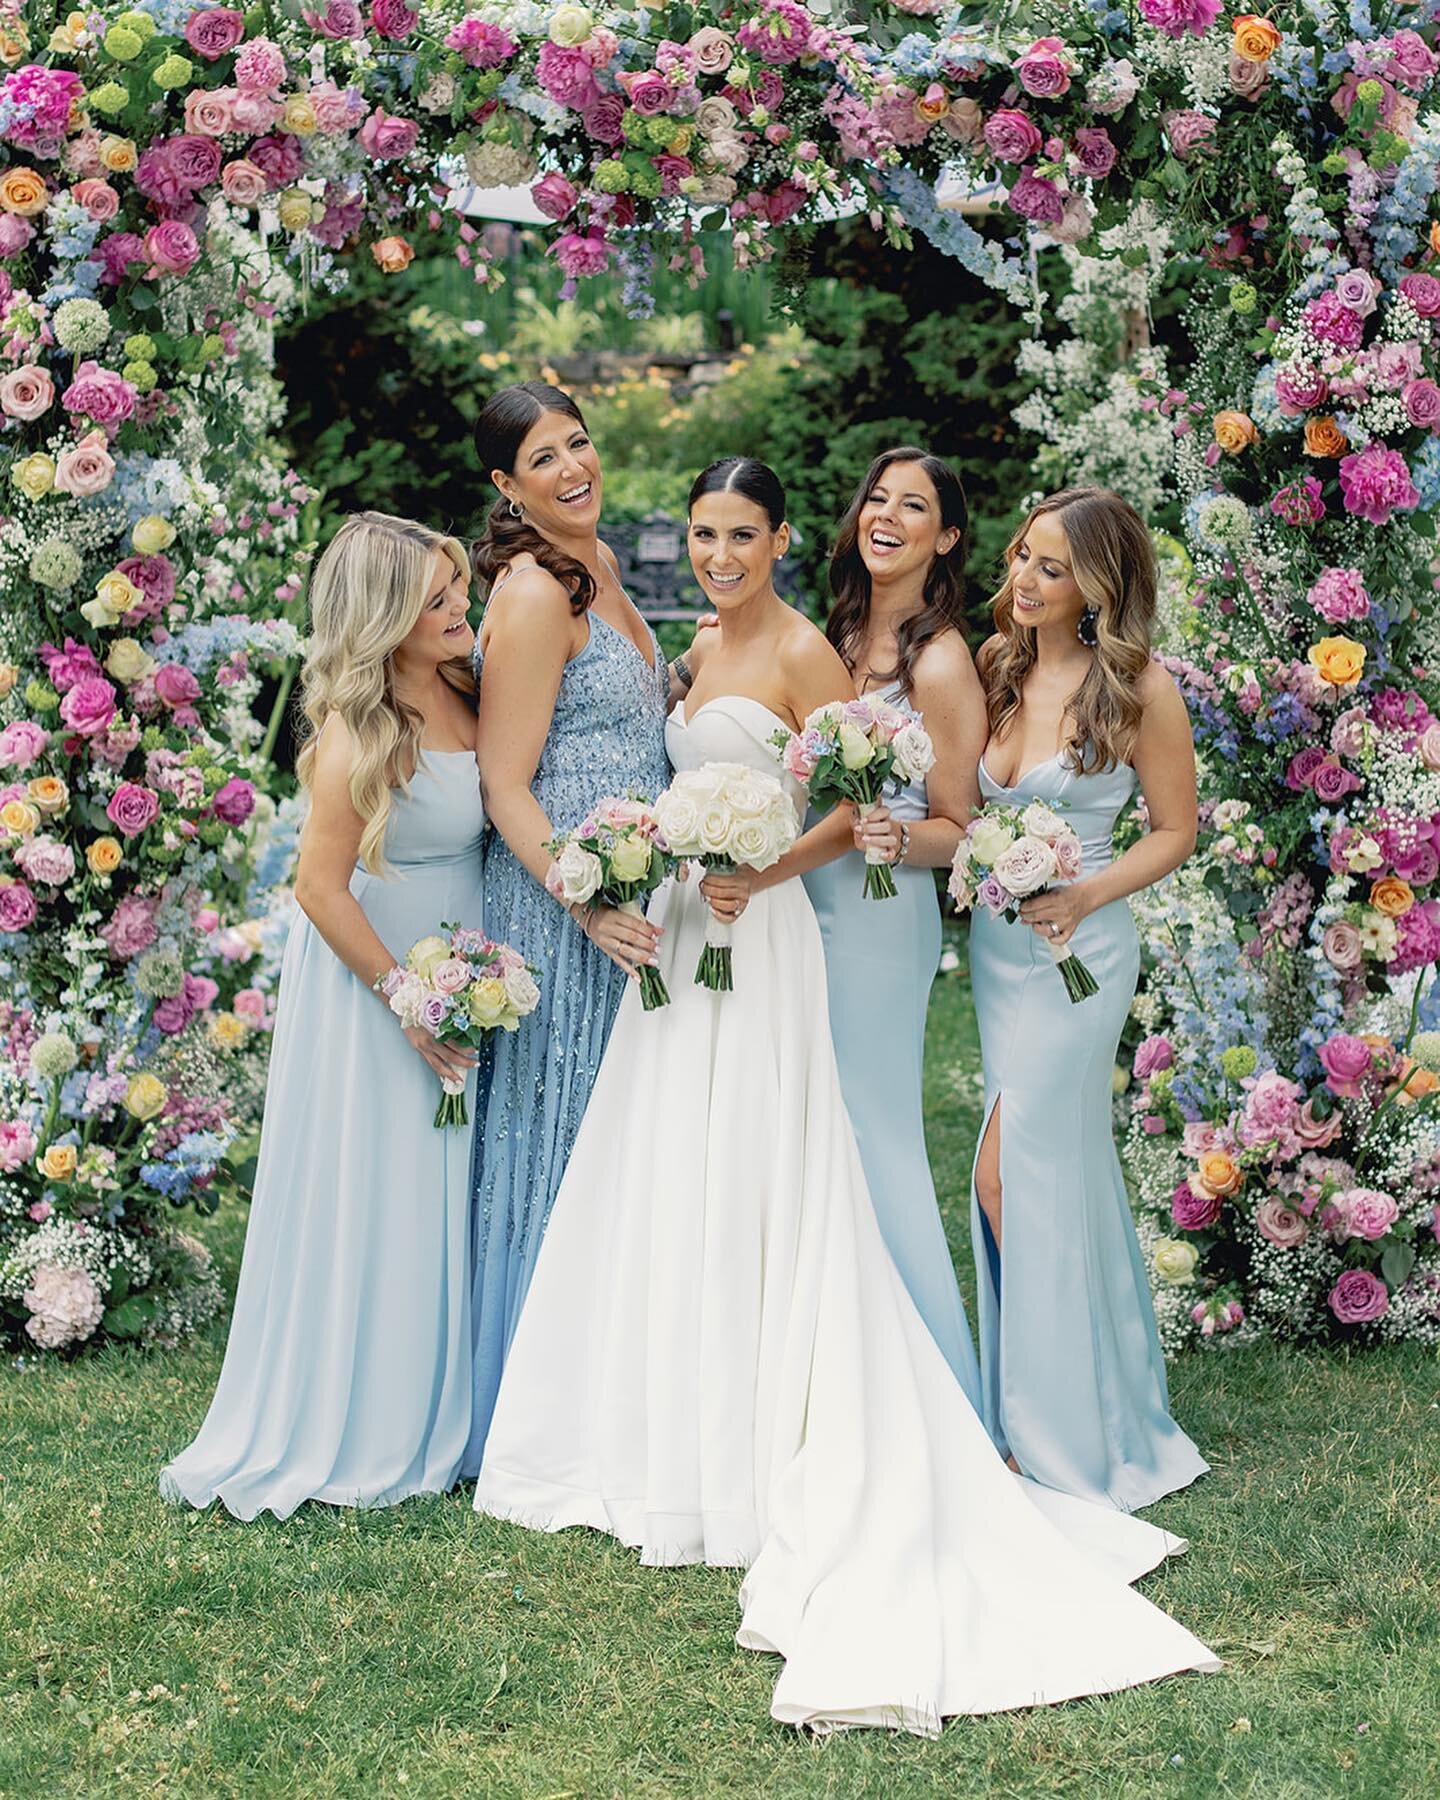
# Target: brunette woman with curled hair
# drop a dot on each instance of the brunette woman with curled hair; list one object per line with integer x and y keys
{"x": 1073, "y": 1380}
{"x": 897, "y": 574}
{"x": 572, "y": 700}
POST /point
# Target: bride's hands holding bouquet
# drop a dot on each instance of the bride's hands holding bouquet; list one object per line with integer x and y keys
{"x": 728, "y": 892}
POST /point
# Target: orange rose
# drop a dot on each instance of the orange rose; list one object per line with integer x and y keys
{"x": 1235, "y": 431}
{"x": 393, "y": 254}
{"x": 1338, "y": 660}
{"x": 49, "y": 793}
{"x": 1415, "y": 1083}
{"x": 1323, "y": 437}
{"x": 1219, "y": 1174}
{"x": 1256, "y": 40}
{"x": 23, "y": 191}
{"x": 1392, "y": 896}
{"x": 1435, "y": 237}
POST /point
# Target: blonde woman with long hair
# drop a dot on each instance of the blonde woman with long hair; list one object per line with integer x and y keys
{"x": 347, "y": 1375}
{"x": 1073, "y": 1380}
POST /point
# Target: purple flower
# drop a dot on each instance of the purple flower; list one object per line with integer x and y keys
{"x": 131, "y": 927}
{"x": 993, "y": 895}
{"x": 1036, "y": 199}
{"x": 1375, "y": 482}
{"x": 1359, "y": 290}
{"x": 132, "y": 808}
{"x": 1095, "y": 151}
{"x": 1331, "y": 780}
{"x": 17, "y": 906}
{"x": 1152, "y": 1055}
{"x": 1299, "y": 502}
{"x": 1358, "y": 1297}
{"x": 235, "y": 801}
{"x": 434, "y": 1011}
{"x": 1012, "y": 135}
{"x": 1192, "y": 1211}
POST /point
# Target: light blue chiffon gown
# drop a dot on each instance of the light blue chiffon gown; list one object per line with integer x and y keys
{"x": 347, "y": 1373}
{"x": 880, "y": 962}
{"x": 607, "y": 736}
{"x": 1072, "y": 1373}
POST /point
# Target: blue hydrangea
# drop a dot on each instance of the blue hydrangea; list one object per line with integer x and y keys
{"x": 166, "y": 1179}
{"x": 1425, "y": 472}
{"x": 147, "y": 484}
{"x": 955, "y": 236}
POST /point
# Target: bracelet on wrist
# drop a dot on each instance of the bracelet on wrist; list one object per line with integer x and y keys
{"x": 904, "y": 849}
{"x": 681, "y": 671}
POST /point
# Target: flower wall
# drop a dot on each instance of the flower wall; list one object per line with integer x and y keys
{"x": 175, "y": 177}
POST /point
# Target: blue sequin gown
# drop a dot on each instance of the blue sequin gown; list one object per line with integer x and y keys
{"x": 880, "y": 961}
{"x": 1073, "y": 1376}
{"x": 347, "y": 1372}
{"x": 607, "y": 736}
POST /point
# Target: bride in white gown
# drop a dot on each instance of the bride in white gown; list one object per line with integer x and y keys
{"x": 717, "y": 1360}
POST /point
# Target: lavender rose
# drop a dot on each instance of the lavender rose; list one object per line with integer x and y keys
{"x": 1192, "y": 1211}
{"x": 1012, "y": 135}
{"x": 1359, "y": 1297}
{"x": 1342, "y": 947}
{"x": 17, "y": 906}
{"x": 1153, "y": 1054}
{"x": 1421, "y": 400}
{"x": 132, "y": 808}
{"x": 214, "y": 32}
{"x": 1095, "y": 151}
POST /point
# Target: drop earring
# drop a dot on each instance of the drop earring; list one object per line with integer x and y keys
{"x": 1087, "y": 630}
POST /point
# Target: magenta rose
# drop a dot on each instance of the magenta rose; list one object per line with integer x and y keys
{"x": 27, "y": 392}
{"x": 1333, "y": 322}
{"x": 132, "y": 808}
{"x": 17, "y": 906}
{"x": 89, "y": 706}
{"x": 175, "y": 684}
{"x": 1176, "y": 17}
{"x": 580, "y": 256}
{"x": 1421, "y": 400}
{"x": 1412, "y": 61}
{"x": 1192, "y": 1211}
{"x": 1044, "y": 69}
{"x": 1298, "y": 388}
{"x": 171, "y": 247}
{"x": 235, "y": 801}
{"x": 157, "y": 178}
{"x": 1303, "y": 765}
{"x": 1346, "y": 1061}
{"x": 282, "y": 158}
{"x": 1036, "y": 199}
{"x": 1358, "y": 1297}
{"x": 1375, "y": 483}
{"x": 116, "y": 254}
{"x": 1095, "y": 151}
{"x": 1423, "y": 293}
{"x": 383, "y": 136}
{"x": 214, "y": 32}
{"x": 648, "y": 92}
{"x": 393, "y": 19}
{"x": 555, "y": 196}
{"x": 21, "y": 742}
{"x": 1152, "y": 1055}
{"x": 1012, "y": 135}
{"x": 131, "y": 927}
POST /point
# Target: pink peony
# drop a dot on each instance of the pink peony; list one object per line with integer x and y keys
{"x": 567, "y": 77}
{"x": 1044, "y": 69}
{"x": 1280, "y": 1224}
{"x": 555, "y": 196}
{"x": 281, "y": 158}
{"x": 1012, "y": 136}
{"x": 481, "y": 45}
{"x": 18, "y": 1145}
{"x": 214, "y": 32}
{"x": 1193, "y": 1211}
{"x": 38, "y": 103}
{"x": 21, "y": 742}
{"x": 26, "y": 393}
{"x": 1333, "y": 322}
{"x": 116, "y": 254}
{"x": 1095, "y": 151}
{"x": 1189, "y": 133}
{"x": 132, "y": 808}
{"x": 15, "y": 236}
{"x": 155, "y": 578}
{"x": 1340, "y": 595}
{"x": 17, "y": 906}
{"x": 1176, "y": 17}
{"x": 46, "y": 861}
{"x": 260, "y": 67}
{"x": 131, "y": 927}
{"x": 1365, "y": 1213}
{"x": 251, "y": 1005}
{"x": 171, "y": 247}
{"x": 1268, "y": 1114}
{"x": 385, "y": 137}
{"x": 1375, "y": 483}
{"x": 89, "y": 706}
{"x": 1152, "y": 1055}
{"x": 234, "y": 801}
{"x": 101, "y": 396}
{"x": 1358, "y": 1297}
{"x": 1347, "y": 1061}
{"x": 581, "y": 255}
{"x": 72, "y": 663}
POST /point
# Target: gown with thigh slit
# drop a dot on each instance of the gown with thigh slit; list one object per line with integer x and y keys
{"x": 718, "y": 1362}
{"x": 347, "y": 1372}
{"x": 880, "y": 962}
{"x": 1071, "y": 1368}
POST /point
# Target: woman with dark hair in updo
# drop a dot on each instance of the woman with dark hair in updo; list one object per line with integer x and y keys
{"x": 572, "y": 698}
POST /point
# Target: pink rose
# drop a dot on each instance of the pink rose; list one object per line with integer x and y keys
{"x": 17, "y": 906}
{"x": 1332, "y": 781}
{"x": 89, "y": 706}
{"x": 214, "y": 32}
{"x": 712, "y": 49}
{"x": 195, "y": 159}
{"x": 18, "y": 1145}
{"x": 1313, "y": 1132}
{"x": 1248, "y": 80}
{"x": 15, "y": 235}
{"x": 1423, "y": 293}
{"x": 602, "y": 119}
{"x": 1192, "y": 1211}
{"x": 648, "y": 92}
{"x": 1012, "y": 136}
{"x": 132, "y": 808}
{"x": 1375, "y": 483}
{"x": 209, "y": 112}
{"x": 450, "y": 976}
{"x": 1359, "y": 290}
{"x": 100, "y": 395}
{"x": 253, "y": 112}
{"x": 1346, "y": 1061}
{"x": 1189, "y": 133}
{"x": 1095, "y": 151}
{"x": 1044, "y": 69}
{"x": 46, "y": 860}
{"x": 1280, "y": 1224}
{"x": 131, "y": 927}
{"x": 234, "y": 801}
{"x": 1366, "y": 1213}
{"x": 175, "y": 684}
{"x": 1298, "y": 388}
{"x": 1429, "y": 746}
{"x": 1036, "y": 199}
{"x": 260, "y": 67}
{"x": 1342, "y": 948}
{"x": 1176, "y": 17}
{"x": 98, "y": 198}
{"x": 21, "y": 742}
{"x": 1412, "y": 62}
{"x": 26, "y": 392}
{"x": 1301, "y": 772}
{"x": 385, "y": 138}
{"x": 251, "y": 1005}
{"x": 393, "y": 19}
{"x": 555, "y": 196}
{"x": 1421, "y": 400}
{"x": 1152, "y": 1055}
{"x": 243, "y": 184}
{"x": 340, "y": 19}
{"x": 171, "y": 247}
{"x": 579, "y": 255}
{"x": 1358, "y": 1297}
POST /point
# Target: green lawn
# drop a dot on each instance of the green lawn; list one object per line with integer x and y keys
{"x": 424, "y": 1651}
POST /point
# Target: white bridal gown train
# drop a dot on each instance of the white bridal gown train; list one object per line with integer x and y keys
{"x": 718, "y": 1362}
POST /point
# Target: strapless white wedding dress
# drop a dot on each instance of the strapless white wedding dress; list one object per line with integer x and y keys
{"x": 718, "y": 1362}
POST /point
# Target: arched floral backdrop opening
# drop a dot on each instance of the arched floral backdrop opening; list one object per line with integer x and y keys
{"x": 175, "y": 178}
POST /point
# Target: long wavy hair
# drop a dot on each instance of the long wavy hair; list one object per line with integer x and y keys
{"x": 1113, "y": 563}
{"x": 944, "y": 600}
{"x": 504, "y": 423}
{"x": 366, "y": 594}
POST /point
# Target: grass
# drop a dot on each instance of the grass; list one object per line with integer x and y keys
{"x": 422, "y": 1651}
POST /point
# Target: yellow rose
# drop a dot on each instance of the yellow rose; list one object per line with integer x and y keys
{"x": 427, "y": 956}
{"x": 295, "y": 209}
{"x": 1234, "y": 431}
{"x": 856, "y": 750}
{"x": 104, "y": 856}
{"x": 9, "y": 675}
{"x": 128, "y": 660}
{"x": 392, "y": 254}
{"x": 34, "y": 475}
{"x": 116, "y": 594}
{"x": 152, "y": 534}
{"x": 1338, "y": 660}
{"x": 48, "y": 793}
{"x": 71, "y": 36}
{"x": 145, "y": 1095}
{"x": 19, "y": 818}
{"x": 58, "y": 1162}
{"x": 488, "y": 1002}
{"x": 631, "y": 857}
{"x": 1256, "y": 40}
{"x": 989, "y": 840}
{"x": 118, "y": 155}
{"x": 1219, "y": 1174}
{"x": 24, "y": 192}
{"x": 299, "y": 115}
{"x": 571, "y": 25}
{"x": 227, "y": 1031}
{"x": 1174, "y": 1262}
{"x": 1392, "y": 896}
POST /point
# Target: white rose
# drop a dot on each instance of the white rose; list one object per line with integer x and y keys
{"x": 713, "y": 833}
{"x": 749, "y": 799}
{"x": 831, "y": 713}
{"x": 1025, "y": 866}
{"x": 856, "y": 750}
{"x": 989, "y": 840}
{"x": 571, "y": 25}
{"x": 578, "y": 873}
{"x": 752, "y": 844}
{"x": 1174, "y": 1262}
{"x": 407, "y": 1000}
{"x": 428, "y": 954}
{"x": 439, "y": 95}
{"x": 1041, "y": 821}
{"x": 630, "y": 858}
{"x": 520, "y": 989}
{"x": 678, "y": 818}
{"x": 728, "y": 151}
{"x": 914, "y": 753}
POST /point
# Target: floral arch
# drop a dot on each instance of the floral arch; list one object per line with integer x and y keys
{"x": 173, "y": 175}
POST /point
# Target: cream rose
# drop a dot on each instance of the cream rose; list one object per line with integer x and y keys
{"x": 989, "y": 840}
{"x": 520, "y": 988}
{"x": 427, "y": 955}
{"x": 1174, "y": 1262}
{"x": 715, "y": 116}
{"x": 1025, "y": 867}
{"x": 856, "y": 750}
{"x": 575, "y": 875}
{"x": 128, "y": 660}
{"x": 1042, "y": 821}
{"x": 630, "y": 859}
{"x": 34, "y": 475}
{"x": 488, "y": 1002}
{"x": 571, "y": 25}
{"x": 152, "y": 534}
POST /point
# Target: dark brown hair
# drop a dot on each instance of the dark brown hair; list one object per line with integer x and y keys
{"x": 755, "y": 481}
{"x": 944, "y": 606}
{"x": 505, "y": 422}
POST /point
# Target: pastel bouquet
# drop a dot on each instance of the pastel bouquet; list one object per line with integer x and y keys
{"x": 727, "y": 816}
{"x": 457, "y": 988}
{"x": 1008, "y": 854}
{"x": 613, "y": 856}
{"x": 850, "y": 750}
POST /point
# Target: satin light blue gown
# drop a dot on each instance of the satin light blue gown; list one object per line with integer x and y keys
{"x": 347, "y": 1373}
{"x": 880, "y": 962}
{"x": 607, "y": 736}
{"x": 1073, "y": 1377}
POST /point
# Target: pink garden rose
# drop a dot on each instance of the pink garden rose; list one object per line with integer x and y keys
{"x": 210, "y": 112}
{"x": 21, "y": 742}
{"x": 1359, "y": 1297}
{"x": 18, "y": 1145}
{"x": 251, "y": 1005}
{"x": 393, "y": 19}
{"x": 1375, "y": 483}
{"x": 581, "y": 255}
{"x": 260, "y": 67}
{"x": 1313, "y": 1132}
{"x": 131, "y": 927}
{"x": 340, "y": 19}
{"x": 132, "y": 808}
{"x": 1299, "y": 388}
{"x": 176, "y": 685}
{"x": 234, "y": 801}
{"x": 1189, "y": 133}
{"x": 1248, "y": 80}
{"x": 89, "y": 706}
{"x": 555, "y": 196}
{"x": 1012, "y": 136}
{"x": 100, "y": 395}
{"x": 195, "y": 158}
{"x": 155, "y": 578}
{"x": 1036, "y": 199}
{"x": 713, "y": 50}
{"x": 1151, "y": 1055}
{"x": 26, "y": 393}
{"x": 17, "y": 906}
{"x": 171, "y": 247}
{"x": 243, "y": 182}
{"x": 1192, "y": 1210}
{"x": 1340, "y": 595}
{"x": 1280, "y": 1224}
{"x": 1268, "y": 1114}
{"x": 1095, "y": 151}
{"x": 1176, "y": 17}
{"x": 214, "y": 32}
{"x": 602, "y": 119}
{"x": 1347, "y": 1061}
{"x": 1332, "y": 781}
{"x": 1412, "y": 61}
{"x": 1423, "y": 293}
{"x": 15, "y": 236}
{"x": 648, "y": 92}
{"x": 98, "y": 198}
{"x": 1421, "y": 400}
{"x": 1044, "y": 69}
{"x": 1365, "y": 1213}
{"x": 1342, "y": 947}
{"x": 386, "y": 138}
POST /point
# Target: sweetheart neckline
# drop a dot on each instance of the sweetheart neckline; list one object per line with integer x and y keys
{"x": 750, "y": 699}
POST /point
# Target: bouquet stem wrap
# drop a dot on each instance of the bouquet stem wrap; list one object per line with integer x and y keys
{"x": 713, "y": 968}
{"x": 879, "y": 877}
{"x": 1080, "y": 984}
{"x": 452, "y": 1109}
{"x": 653, "y": 991}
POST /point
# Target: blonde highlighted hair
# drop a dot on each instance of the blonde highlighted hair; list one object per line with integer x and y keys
{"x": 1113, "y": 563}
{"x": 366, "y": 595}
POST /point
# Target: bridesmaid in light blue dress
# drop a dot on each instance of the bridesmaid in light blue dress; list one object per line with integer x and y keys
{"x": 897, "y": 577}
{"x": 347, "y": 1374}
{"x": 1074, "y": 1381}
{"x": 573, "y": 700}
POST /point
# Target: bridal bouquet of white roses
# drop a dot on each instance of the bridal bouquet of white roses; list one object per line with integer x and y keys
{"x": 1008, "y": 854}
{"x": 849, "y": 750}
{"x": 457, "y": 988}
{"x": 614, "y": 855}
{"x": 726, "y": 816}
